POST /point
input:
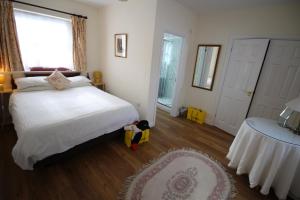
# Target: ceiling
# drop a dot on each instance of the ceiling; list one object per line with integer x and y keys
{"x": 207, "y": 6}
{"x": 98, "y": 2}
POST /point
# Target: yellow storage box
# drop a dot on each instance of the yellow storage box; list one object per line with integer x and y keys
{"x": 129, "y": 136}
{"x": 196, "y": 115}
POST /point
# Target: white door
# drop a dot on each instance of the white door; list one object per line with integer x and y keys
{"x": 243, "y": 69}
{"x": 279, "y": 81}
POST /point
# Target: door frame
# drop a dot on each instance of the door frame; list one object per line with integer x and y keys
{"x": 155, "y": 76}
{"x": 179, "y": 77}
{"x": 175, "y": 100}
{"x": 226, "y": 63}
{"x": 175, "y": 92}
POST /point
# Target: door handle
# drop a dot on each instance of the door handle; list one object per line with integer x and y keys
{"x": 249, "y": 93}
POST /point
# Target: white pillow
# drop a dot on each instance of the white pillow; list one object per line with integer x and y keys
{"x": 36, "y": 88}
{"x": 27, "y": 82}
{"x": 79, "y": 81}
{"x": 58, "y": 80}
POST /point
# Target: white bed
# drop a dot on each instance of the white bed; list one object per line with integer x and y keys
{"x": 51, "y": 121}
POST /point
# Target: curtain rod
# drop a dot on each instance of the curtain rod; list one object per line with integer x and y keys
{"x": 59, "y": 11}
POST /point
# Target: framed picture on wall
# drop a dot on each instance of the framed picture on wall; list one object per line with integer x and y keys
{"x": 121, "y": 45}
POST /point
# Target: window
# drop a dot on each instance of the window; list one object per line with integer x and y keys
{"x": 45, "y": 41}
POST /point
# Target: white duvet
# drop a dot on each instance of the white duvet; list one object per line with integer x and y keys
{"x": 51, "y": 121}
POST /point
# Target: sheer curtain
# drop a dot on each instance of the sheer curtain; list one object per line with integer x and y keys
{"x": 45, "y": 41}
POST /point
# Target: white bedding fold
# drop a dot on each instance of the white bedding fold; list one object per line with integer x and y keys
{"x": 51, "y": 121}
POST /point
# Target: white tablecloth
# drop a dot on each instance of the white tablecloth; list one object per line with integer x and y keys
{"x": 270, "y": 155}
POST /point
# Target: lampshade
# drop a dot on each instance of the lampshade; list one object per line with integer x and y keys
{"x": 290, "y": 116}
{"x": 97, "y": 76}
{"x": 294, "y": 104}
{"x": 2, "y": 78}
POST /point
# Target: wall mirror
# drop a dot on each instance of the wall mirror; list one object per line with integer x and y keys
{"x": 205, "y": 67}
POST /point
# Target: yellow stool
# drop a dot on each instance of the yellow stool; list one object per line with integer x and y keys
{"x": 196, "y": 115}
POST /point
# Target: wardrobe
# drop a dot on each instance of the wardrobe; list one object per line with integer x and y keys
{"x": 262, "y": 75}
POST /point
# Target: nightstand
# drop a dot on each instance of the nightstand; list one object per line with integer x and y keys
{"x": 101, "y": 86}
{"x": 4, "y": 93}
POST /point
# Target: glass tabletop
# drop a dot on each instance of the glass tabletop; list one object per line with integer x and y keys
{"x": 271, "y": 129}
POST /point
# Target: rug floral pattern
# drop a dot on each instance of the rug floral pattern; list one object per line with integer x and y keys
{"x": 181, "y": 175}
{"x": 181, "y": 185}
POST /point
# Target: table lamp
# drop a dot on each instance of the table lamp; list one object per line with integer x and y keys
{"x": 2, "y": 81}
{"x": 97, "y": 77}
{"x": 290, "y": 116}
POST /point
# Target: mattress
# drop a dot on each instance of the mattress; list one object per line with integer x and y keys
{"x": 50, "y": 121}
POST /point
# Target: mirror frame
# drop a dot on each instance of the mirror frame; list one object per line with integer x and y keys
{"x": 217, "y": 61}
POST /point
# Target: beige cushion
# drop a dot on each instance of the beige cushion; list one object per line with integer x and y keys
{"x": 58, "y": 80}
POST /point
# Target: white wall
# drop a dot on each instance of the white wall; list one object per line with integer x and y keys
{"x": 128, "y": 78}
{"x": 93, "y": 35}
{"x": 173, "y": 18}
{"x": 280, "y": 21}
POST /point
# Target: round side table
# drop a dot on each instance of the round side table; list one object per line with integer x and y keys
{"x": 269, "y": 154}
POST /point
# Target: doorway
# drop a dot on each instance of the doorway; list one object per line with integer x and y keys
{"x": 170, "y": 60}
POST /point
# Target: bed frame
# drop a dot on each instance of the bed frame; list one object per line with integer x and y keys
{"x": 117, "y": 135}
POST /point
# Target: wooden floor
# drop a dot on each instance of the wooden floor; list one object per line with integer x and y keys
{"x": 99, "y": 172}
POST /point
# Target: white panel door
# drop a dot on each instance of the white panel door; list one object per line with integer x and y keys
{"x": 279, "y": 81}
{"x": 243, "y": 69}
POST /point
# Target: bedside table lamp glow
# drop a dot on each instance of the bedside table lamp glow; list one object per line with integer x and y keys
{"x": 97, "y": 77}
{"x": 97, "y": 80}
{"x": 2, "y": 81}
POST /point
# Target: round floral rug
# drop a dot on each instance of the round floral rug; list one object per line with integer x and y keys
{"x": 180, "y": 175}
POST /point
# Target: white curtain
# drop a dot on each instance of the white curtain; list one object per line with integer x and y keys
{"x": 45, "y": 41}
